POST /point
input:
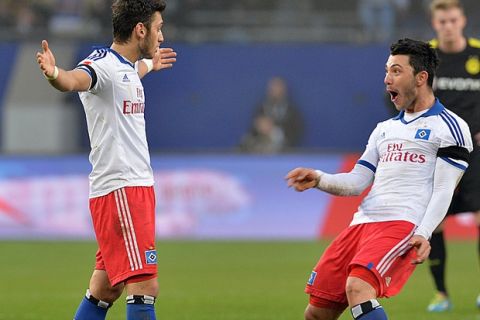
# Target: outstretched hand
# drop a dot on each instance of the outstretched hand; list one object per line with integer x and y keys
{"x": 164, "y": 58}
{"x": 302, "y": 179}
{"x": 422, "y": 246}
{"x": 46, "y": 60}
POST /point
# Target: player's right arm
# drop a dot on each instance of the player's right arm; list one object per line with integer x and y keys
{"x": 63, "y": 80}
{"x": 341, "y": 184}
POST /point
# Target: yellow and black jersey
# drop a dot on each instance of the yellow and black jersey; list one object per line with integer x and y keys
{"x": 457, "y": 83}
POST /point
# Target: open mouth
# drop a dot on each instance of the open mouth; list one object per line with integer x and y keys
{"x": 393, "y": 95}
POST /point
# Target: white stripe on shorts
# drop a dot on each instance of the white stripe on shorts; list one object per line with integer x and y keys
{"x": 124, "y": 231}
{"x": 132, "y": 229}
{"x": 128, "y": 230}
{"x": 395, "y": 252}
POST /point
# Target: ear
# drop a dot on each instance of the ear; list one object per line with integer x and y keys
{"x": 140, "y": 30}
{"x": 421, "y": 78}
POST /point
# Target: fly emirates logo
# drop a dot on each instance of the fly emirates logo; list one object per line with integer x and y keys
{"x": 395, "y": 153}
{"x": 130, "y": 107}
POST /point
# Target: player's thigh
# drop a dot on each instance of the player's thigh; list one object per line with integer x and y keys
{"x": 124, "y": 223}
{"x": 318, "y": 313}
{"x": 387, "y": 254}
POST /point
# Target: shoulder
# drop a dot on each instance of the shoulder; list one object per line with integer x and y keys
{"x": 449, "y": 114}
{"x": 474, "y": 43}
{"x": 98, "y": 54}
{"x": 381, "y": 127}
{"x": 99, "y": 58}
{"x": 453, "y": 128}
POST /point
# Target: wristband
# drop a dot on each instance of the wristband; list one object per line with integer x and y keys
{"x": 54, "y": 76}
{"x": 149, "y": 64}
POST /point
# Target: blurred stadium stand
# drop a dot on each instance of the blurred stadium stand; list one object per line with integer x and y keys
{"x": 315, "y": 44}
{"x": 219, "y": 20}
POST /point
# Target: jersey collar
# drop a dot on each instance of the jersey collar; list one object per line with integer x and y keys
{"x": 118, "y": 55}
{"x": 435, "y": 110}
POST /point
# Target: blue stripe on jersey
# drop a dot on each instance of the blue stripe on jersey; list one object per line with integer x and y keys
{"x": 98, "y": 54}
{"x": 450, "y": 127}
{"x": 83, "y": 68}
{"x": 455, "y": 125}
{"x": 453, "y": 163}
{"x": 122, "y": 59}
{"x": 367, "y": 164}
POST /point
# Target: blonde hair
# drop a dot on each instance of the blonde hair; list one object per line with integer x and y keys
{"x": 445, "y": 5}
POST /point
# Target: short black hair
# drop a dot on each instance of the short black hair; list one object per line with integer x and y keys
{"x": 422, "y": 56}
{"x": 127, "y": 13}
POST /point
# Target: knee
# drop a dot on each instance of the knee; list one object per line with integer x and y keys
{"x": 310, "y": 314}
{"x": 107, "y": 293}
{"x": 153, "y": 288}
{"x": 358, "y": 290}
{"x": 140, "y": 286}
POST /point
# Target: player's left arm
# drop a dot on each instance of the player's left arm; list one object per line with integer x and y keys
{"x": 451, "y": 164}
{"x": 164, "y": 58}
{"x": 449, "y": 168}
{"x": 452, "y": 160}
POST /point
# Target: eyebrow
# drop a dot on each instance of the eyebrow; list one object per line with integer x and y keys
{"x": 393, "y": 65}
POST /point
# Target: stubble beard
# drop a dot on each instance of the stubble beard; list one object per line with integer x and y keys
{"x": 146, "y": 49}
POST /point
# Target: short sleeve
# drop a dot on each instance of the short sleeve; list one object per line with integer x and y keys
{"x": 454, "y": 132}
{"x": 455, "y": 141}
{"x": 94, "y": 65}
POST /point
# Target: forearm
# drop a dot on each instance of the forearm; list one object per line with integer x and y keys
{"x": 346, "y": 184}
{"x": 66, "y": 81}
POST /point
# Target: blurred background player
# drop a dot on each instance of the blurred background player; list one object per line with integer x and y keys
{"x": 122, "y": 200}
{"x": 414, "y": 161}
{"x": 457, "y": 85}
{"x": 277, "y": 125}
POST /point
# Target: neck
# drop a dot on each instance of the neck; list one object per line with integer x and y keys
{"x": 454, "y": 46}
{"x": 423, "y": 102}
{"x": 127, "y": 50}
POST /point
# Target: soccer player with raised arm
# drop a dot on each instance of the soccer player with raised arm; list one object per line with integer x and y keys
{"x": 122, "y": 199}
{"x": 413, "y": 162}
{"x": 457, "y": 85}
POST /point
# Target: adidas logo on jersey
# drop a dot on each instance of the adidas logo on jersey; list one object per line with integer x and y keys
{"x": 125, "y": 78}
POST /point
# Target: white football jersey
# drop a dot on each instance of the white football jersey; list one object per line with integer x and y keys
{"x": 402, "y": 154}
{"x": 114, "y": 108}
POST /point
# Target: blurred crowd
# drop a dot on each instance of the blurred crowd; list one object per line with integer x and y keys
{"x": 243, "y": 20}
{"x": 28, "y": 17}
{"x": 201, "y": 20}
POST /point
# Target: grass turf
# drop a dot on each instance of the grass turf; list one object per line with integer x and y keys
{"x": 213, "y": 280}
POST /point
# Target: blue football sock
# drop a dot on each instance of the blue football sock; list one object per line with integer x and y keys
{"x": 140, "y": 307}
{"x": 91, "y": 308}
{"x": 369, "y": 310}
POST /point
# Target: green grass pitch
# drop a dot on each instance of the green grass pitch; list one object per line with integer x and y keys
{"x": 222, "y": 280}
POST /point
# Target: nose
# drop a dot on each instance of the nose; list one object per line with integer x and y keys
{"x": 388, "y": 79}
{"x": 160, "y": 37}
